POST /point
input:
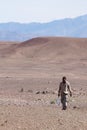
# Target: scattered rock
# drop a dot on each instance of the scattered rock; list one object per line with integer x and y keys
{"x": 39, "y": 99}
{"x": 52, "y": 102}
{"x": 44, "y": 92}
{"x": 53, "y": 92}
{"x": 2, "y": 124}
{"x": 5, "y": 121}
{"x": 75, "y": 107}
{"x": 22, "y": 90}
{"x": 7, "y": 77}
{"x": 38, "y": 92}
{"x": 81, "y": 89}
{"x": 30, "y": 91}
{"x": 48, "y": 82}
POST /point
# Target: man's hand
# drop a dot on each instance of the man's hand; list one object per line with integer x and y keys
{"x": 58, "y": 94}
{"x": 70, "y": 94}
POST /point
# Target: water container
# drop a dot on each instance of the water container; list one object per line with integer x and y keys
{"x": 58, "y": 101}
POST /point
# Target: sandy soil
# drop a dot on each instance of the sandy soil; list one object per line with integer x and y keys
{"x": 30, "y": 73}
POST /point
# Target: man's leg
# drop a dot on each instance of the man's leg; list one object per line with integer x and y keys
{"x": 64, "y": 102}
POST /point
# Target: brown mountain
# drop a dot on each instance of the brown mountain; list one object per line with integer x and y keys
{"x": 47, "y": 48}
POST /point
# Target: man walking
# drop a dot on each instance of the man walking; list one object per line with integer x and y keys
{"x": 64, "y": 90}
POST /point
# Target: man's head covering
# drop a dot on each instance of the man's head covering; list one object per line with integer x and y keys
{"x": 64, "y": 78}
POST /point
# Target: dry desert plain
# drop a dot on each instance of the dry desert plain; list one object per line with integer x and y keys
{"x": 30, "y": 73}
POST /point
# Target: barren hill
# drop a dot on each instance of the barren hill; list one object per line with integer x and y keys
{"x": 47, "y": 48}
{"x": 54, "y": 48}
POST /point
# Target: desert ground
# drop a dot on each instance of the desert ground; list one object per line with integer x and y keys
{"x": 30, "y": 73}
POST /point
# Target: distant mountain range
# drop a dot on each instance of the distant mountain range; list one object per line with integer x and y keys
{"x": 76, "y": 27}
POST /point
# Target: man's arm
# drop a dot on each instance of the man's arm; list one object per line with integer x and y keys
{"x": 69, "y": 88}
{"x": 59, "y": 91}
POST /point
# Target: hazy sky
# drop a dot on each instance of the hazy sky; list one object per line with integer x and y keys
{"x": 26, "y": 11}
